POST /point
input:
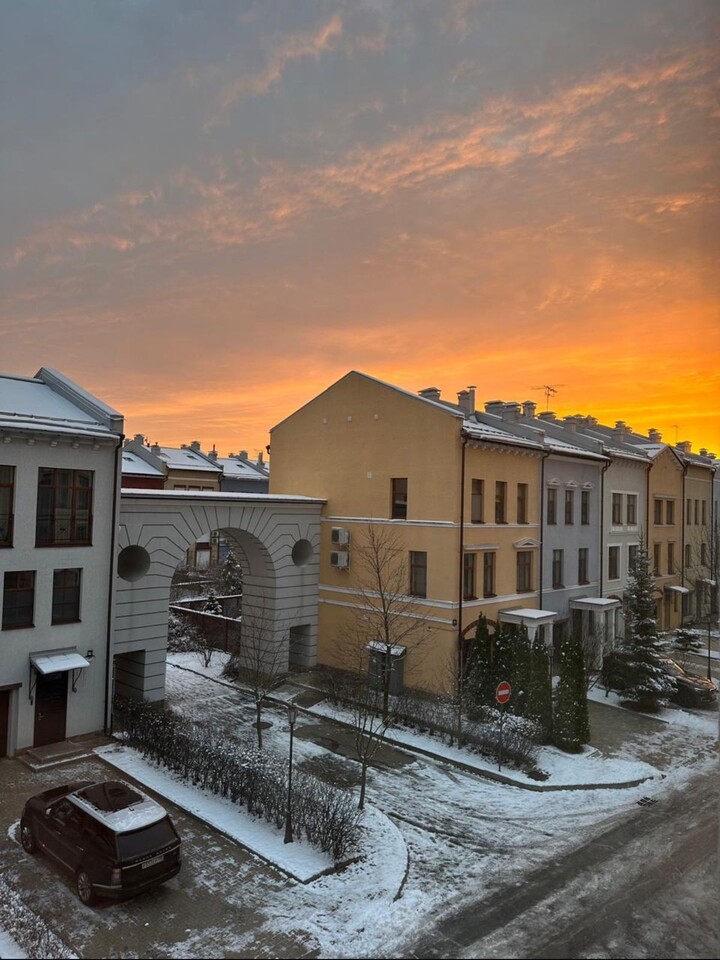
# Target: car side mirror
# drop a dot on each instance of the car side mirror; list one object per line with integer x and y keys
{"x": 49, "y": 812}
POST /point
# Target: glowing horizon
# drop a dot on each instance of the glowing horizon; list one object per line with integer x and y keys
{"x": 210, "y": 214}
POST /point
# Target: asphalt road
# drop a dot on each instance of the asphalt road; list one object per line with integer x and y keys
{"x": 606, "y": 893}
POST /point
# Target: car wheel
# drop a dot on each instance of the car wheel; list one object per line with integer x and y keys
{"x": 85, "y": 889}
{"x": 27, "y": 837}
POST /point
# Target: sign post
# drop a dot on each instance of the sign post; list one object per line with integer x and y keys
{"x": 502, "y": 695}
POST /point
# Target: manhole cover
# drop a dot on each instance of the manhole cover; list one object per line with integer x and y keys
{"x": 646, "y": 801}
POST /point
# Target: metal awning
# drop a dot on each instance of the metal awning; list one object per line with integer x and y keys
{"x": 58, "y": 662}
{"x": 598, "y": 604}
{"x": 708, "y": 581}
{"x": 675, "y": 589}
{"x": 395, "y": 650}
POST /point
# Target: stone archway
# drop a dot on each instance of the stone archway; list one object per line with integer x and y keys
{"x": 278, "y": 541}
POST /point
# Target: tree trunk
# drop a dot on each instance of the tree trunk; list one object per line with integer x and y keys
{"x": 258, "y": 708}
{"x": 363, "y": 782}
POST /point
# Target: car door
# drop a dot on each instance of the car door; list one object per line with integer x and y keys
{"x": 60, "y": 833}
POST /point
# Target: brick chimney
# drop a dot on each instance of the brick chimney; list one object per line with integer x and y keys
{"x": 621, "y": 430}
{"x": 685, "y": 446}
{"x": 155, "y": 448}
{"x": 213, "y": 455}
{"x": 195, "y": 445}
{"x": 260, "y": 458}
{"x": 654, "y": 435}
{"x": 529, "y": 408}
{"x": 466, "y": 400}
{"x": 547, "y": 415}
{"x": 243, "y": 455}
{"x": 429, "y": 393}
{"x": 495, "y": 407}
{"x": 511, "y": 412}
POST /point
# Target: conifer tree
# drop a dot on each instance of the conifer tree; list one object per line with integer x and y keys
{"x": 644, "y": 684}
{"x": 213, "y": 604}
{"x": 571, "y": 725}
{"x": 480, "y": 682}
{"x": 230, "y": 579}
{"x": 503, "y": 666}
{"x": 520, "y": 678}
{"x": 539, "y": 701}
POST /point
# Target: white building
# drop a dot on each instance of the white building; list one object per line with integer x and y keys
{"x": 59, "y": 481}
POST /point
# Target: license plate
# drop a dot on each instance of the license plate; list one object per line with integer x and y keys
{"x": 151, "y": 863}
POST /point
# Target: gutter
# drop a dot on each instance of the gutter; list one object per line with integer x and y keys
{"x": 111, "y": 588}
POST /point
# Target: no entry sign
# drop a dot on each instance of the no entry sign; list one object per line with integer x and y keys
{"x": 503, "y": 691}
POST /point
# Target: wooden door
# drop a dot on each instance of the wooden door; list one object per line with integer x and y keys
{"x": 50, "y": 708}
{"x": 4, "y": 721}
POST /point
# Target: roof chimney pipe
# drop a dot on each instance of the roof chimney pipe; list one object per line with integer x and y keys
{"x": 430, "y": 393}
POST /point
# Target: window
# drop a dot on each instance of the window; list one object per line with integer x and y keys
{"x": 658, "y": 511}
{"x": 522, "y": 503}
{"x": 669, "y": 512}
{"x": 585, "y": 507}
{"x": 614, "y": 563}
{"x": 477, "y": 509}
{"x": 469, "y": 576}
{"x": 557, "y": 568}
{"x": 704, "y": 554}
{"x": 66, "y": 596}
{"x": 552, "y": 505}
{"x": 500, "y": 501}
{"x": 399, "y": 498}
{"x": 582, "y": 565}
{"x": 488, "y": 574}
{"x": 524, "y": 571}
{"x": 656, "y": 560}
{"x": 688, "y": 555}
{"x": 64, "y": 507}
{"x": 697, "y": 512}
{"x": 7, "y": 483}
{"x": 688, "y": 512}
{"x": 418, "y": 573}
{"x": 569, "y": 506}
{"x": 18, "y": 599}
{"x": 617, "y": 509}
{"x": 671, "y": 558}
{"x": 632, "y": 556}
{"x": 631, "y": 509}
{"x": 704, "y": 513}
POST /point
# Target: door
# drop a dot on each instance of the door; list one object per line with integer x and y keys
{"x": 50, "y": 708}
{"x": 4, "y": 721}
{"x": 60, "y": 832}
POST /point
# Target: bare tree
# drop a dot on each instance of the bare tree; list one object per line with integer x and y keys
{"x": 260, "y": 661}
{"x": 388, "y": 620}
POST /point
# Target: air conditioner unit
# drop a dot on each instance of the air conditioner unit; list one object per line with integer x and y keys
{"x": 340, "y": 559}
{"x": 340, "y": 535}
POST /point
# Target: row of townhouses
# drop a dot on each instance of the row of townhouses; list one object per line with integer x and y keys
{"x": 524, "y": 518}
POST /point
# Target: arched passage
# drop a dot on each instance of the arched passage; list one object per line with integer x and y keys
{"x": 277, "y": 539}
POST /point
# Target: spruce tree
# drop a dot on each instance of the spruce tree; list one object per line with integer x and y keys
{"x": 503, "y": 666}
{"x": 480, "y": 682}
{"x": 685, "y": 643}
{"x": 230, "y": 579}
{"x": 571, "y": 725}
{"x": 213, "y": 604}
{"x": 520, "y": 678}
{"x": 645, "y": 684}
{"x": 539, "y": 701}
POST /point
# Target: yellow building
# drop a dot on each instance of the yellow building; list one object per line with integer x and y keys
{"x": 665, "y": 526}
{"x": 460, "y": 498}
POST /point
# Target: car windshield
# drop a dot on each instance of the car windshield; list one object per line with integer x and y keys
{"x": 672, "y": 668}
{"x": 146, "y": 840}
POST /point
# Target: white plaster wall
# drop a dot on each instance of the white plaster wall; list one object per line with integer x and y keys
{"x": 85, "y": 710}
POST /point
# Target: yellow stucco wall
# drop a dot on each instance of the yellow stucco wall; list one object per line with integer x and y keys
{"x": 666, "y": 484}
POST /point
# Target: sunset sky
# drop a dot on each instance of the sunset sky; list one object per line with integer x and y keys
{"x": 211, "y": 211}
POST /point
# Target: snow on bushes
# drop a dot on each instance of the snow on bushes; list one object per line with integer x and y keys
{"x": 324, "y": 814}
{"x": 28, "y": 930}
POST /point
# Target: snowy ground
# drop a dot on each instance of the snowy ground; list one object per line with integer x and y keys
{"x": 9, "y": 950}
{"x": 464, "y": 836}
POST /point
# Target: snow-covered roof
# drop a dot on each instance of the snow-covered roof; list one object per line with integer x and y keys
{"x": 45, "y": 403}
{"x": 596, "y": 603}
{"x": 526, "y": 613}
{"x": 133, "y": 464}
{"x": 183, "y": 458}
{"x": 478, "y": 430}
{"x": 236, "y": 469}
{"x": 143, "y": 813}
{"x": 58, "y": 662}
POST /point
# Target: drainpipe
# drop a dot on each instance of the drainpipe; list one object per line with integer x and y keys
{"x": 543, "y": 458}
{"x": 463, "y": 440}
{"x": 107, "y": 724}
{"x": 682, "y": 537}
{"x": 602, "y": 527}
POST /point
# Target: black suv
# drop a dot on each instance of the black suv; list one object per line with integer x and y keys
{"x": 114, "y": 840}
{"x": 692, "y": 691}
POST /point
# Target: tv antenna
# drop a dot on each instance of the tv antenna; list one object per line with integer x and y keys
{"x": 548, "y": 391}
{"x": 676, "y": 432}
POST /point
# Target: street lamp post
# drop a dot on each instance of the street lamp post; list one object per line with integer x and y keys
{"x": 292, "y": 717}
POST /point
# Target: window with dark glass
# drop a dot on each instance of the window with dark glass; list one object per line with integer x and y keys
{"x": 500, "y": 501}
{"x": 476, "y": 502}
{"x": 7, "y": 485}
{"x": 469, "y": 576}
{"x": 418, "y": 573}
{"x": 688, "y": 555}
{"x": 697, "y": 512}
{"x": 656, "y": 560}
{"x": 585, "y": 507}
{"x": 18, "y": 599}
{"x": 631, "y": 509}
{"x": 658, "y": 511}
{"x": 704, "y": 513}
{"x": 569, "y": 506}
{"x": 617, "y": 509}
{"x": 582, "y": 565}
{"x": 704, "y": 554}
{"x": 557, "y": 568}
{"x": 671, "y": 558}
{"x": 670, "y": 512}
{"x": 552, "y": 505}
{"x": 632, "y": 556}
{"x": 522, "y": 503}
{"x": 64, "y": 507}
{"x": 688, "y": 511}
{"x": 524, "y": 571}
{"x": 399, "y": 498}
{"x": 489, "y": 574}
{"x": 613, "y": 563}
{"x": 66, "y": 596}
